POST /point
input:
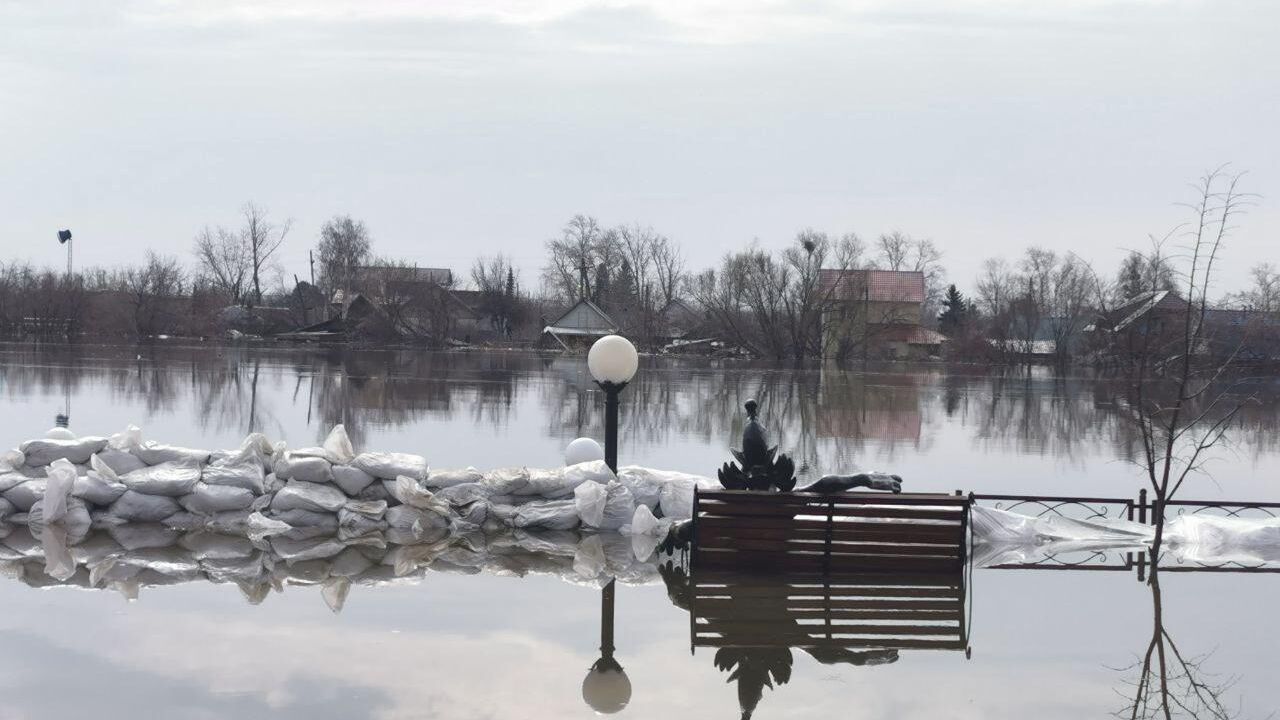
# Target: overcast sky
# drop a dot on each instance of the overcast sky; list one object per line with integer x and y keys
{"x": 458, "y": 127}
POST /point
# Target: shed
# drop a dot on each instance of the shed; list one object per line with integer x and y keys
{"x": 584, "y": 322}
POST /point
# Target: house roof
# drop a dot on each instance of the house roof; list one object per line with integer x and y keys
{"x": 584, "y": 318}
{"x": 879, "y": 285}
{"x": 439, "y": 276}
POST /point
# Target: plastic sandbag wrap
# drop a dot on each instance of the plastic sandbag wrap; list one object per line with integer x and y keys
{"x": 134, "y": 506}
{"x": 42, "y": 451}
{"x": 676, "y": 500}
{"x": 307, "y": 468}
{"x": 58, "y": 563}
{"x": 153, "y": 453}
{"x": 351, "y": 480}
{"x": 236, "y": 472}
{"x": 297, "y": 495}
{"x": 62, "y": 479}
{"x": 646, "y": 532}
{"x": 546, "y": 515}
{"x": 10, "y": 480}
{"x": 992, "y": 525}
{"x": 449, "y": 478}
{"x": 206, "y": 499}
{"x": 409, "y": 492}
{"x": 75, "y": 518}
{"x": 1215, "y": 540}
{"x": 389, "y": 466}
{"x": 11, "y": 460}
{"x": 101, "y": 486}
{"x": 170, "y": 479}
{"x": 604, "y": 507}
{"x": 408, "y": 524}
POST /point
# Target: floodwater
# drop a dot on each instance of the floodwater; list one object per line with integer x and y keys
{"x": 1044, "y": 644}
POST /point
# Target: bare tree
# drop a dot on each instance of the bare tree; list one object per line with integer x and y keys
{"x": 224, "y": 258}
{"x": 1184, "y": 398}
{"x": 668, "y": 268}
{"x": 153, "y": 290}
{"x": 905, "y": 253}
{"x": 344, "y": 246}
{"x": 1264, "y": 295}
{"x": 263, "y": 239}
{"x": 573, "y": 257}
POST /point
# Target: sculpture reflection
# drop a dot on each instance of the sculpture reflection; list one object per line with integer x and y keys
{"x": 755, "y": 624}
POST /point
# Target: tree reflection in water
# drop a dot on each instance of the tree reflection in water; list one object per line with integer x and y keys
{"x": 1169, "y": 683}
{"x": 824, "y": 417}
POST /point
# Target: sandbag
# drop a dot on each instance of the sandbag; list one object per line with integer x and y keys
{"x": 6, "y": 509}
{"x": 96, "y": 490}
{"x": 604, "y": 507}
{"x": 297, "y": 495}
{"x": 10, "y": 480}
{"x": 351, "y": 479}
{"x": 75, "y": 518}
{"x": 355, "y": 524}
{"x": 62, "y": 478}
{"x": 236, "y": 473}
{"x": 389, "y": 466}
{"x": 300, "y": 518}
{"x": 307, "y": 468}
{"x": 153, "y": 453}
{"x": 11, "y": 460}
{"x": 506, "y": 481}
{"x": 135, "y": 506}
{"x": 547, "y": 515}
{"x": 119, "y": 461}
{"x": 449, "y": 478}
{"x": 420, "y": 523}
{"x": 170, "y": 479}
{"x": 42, "y": 451}
{"x": 408, "y": 492}
{"x": 25, "y": 494}
{"x": 206, "y": 499}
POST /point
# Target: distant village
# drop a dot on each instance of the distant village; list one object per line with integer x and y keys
{"x": 821, "y": 298}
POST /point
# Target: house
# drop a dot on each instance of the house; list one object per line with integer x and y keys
{"x": 580, "y": 326}
{"x": 877, "y": 312}
{"x": 1160, "y": 318}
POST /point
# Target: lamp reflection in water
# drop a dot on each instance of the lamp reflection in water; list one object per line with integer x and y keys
{"x": 613, "y": 361}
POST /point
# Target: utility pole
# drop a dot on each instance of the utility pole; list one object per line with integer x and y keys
{"x": 64, "y": 238}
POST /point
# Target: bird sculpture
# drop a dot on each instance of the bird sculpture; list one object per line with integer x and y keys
{"x": 762, "y": 467}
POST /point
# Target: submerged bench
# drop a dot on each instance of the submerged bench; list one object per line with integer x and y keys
{"x": 801, "y": 533}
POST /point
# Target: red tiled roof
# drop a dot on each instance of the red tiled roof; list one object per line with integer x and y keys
{"x": 881, "y": 285}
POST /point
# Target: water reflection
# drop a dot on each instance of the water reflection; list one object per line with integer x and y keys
{"x": 1169, "y": 683}
{"x": 679, "y": 412}
{"x": 755, "y": 623}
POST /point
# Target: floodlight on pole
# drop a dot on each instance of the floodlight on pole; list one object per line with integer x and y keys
{"x": 64, "y": 238}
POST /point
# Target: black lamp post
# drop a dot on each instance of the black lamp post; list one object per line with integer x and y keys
{"x": 613, "y": 361}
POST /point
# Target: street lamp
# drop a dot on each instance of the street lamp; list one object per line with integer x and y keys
{"x": 613, "y": 361}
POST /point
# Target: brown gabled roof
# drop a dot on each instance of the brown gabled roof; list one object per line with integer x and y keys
{"x": 879, "y": 285}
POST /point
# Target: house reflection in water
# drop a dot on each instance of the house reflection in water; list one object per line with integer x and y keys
{"x": 756, "y": 623}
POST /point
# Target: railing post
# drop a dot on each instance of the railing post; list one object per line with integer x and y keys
{"x": 1142, "y": 506}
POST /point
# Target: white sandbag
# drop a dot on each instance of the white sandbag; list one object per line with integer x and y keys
{"x": 135, "y": 506}
{"x": 62, "y": 479}
{"x": 206, "y": 499}
{"x": 338, "y": 446}
{"x": 463, "y": 494}
{"x": 547, "y": 515}
{"x": 10, "y": 480}
{"x": 300, "y": 518}
{"x": 604, "y": 507}
{"x": 351, "y": 479}
{"x": 272, "y": 484}
{"x": 297, "y": 495}
{"x": 171, "y": 479}
{"x": 420, "y": 523}
{"x": 307, "y": 468}
{"x": 236, "y": 473}
{"x": 6, "y": 509}
{"x": 153, "y": 453}
{"x": 676, "y": 501}
{"x": 449, "y": 478}
{"x": 506, "y": 481}
{"x": 128, "y": 440}
{"x": 646, "y": 532}
{"x": 25, "y": 494}
{"x": 355, "y": 524}
{"x": 645, "y": 485}
{"x": 11, "y": 460}
{"x": 75, "y": 518}
{"x": 409, "y": 492}
{"x": 255, "y": 448}
{"x": 119, "y": 461}
{"x": 259, "y": 526}
{"x": 389, "y": 466}
{"x": 216, "y": 546}
{"x": 42, "y": 451}
{"x": 93, "y": 489}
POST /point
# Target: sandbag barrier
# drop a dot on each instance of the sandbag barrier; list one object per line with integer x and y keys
{"x": 123, "y": 513}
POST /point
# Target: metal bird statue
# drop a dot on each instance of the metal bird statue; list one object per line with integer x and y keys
{"x": 762, "y": 467}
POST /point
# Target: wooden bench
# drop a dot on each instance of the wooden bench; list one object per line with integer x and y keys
{"x": 919, "y": 611}
{"x": 821, "y": 535}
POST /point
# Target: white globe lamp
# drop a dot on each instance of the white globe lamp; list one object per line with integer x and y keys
{"x": 613, "y": 360}
{"x": 583, "y": 450}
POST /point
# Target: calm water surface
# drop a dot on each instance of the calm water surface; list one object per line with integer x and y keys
{"x": 1044, "y": 644}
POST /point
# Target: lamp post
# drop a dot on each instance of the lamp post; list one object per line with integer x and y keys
{"x": 613, "y": 361}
